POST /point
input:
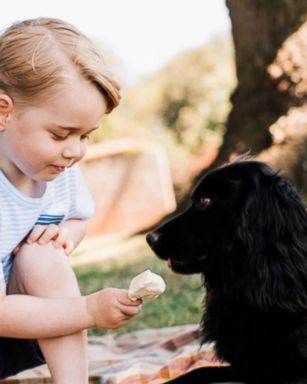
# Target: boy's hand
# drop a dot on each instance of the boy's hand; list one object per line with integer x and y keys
{"x": 111, "y": 308}
{"x": 42, "y": 234}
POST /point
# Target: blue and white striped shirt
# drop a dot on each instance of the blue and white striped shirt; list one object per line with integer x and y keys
{"x": 65, "y": 197}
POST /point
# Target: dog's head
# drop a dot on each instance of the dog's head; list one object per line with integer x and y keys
{"x": 246, "y": 231}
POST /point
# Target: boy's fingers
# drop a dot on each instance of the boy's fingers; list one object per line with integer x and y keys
{"x": 36, "y": 233}
{"x": 51, "y": 232}
{"x": 125, "y": 300}
{"x": 61, "y": 238}
{"x": 131, "y": 311}
{"x": 69, "y": 247}
{"x": 125, "y": 319}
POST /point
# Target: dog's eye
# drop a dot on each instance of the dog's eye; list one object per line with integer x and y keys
{"x": 204, "y": 202}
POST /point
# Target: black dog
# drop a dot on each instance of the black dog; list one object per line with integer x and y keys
{"x": 246, "y": 232}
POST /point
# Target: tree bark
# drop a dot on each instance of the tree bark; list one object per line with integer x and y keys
{"x": 270, "y": 39}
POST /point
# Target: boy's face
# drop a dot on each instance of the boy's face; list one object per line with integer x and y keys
{"x": 39, "y": 142}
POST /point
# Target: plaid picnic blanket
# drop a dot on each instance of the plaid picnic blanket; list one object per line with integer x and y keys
{"x": 148, "y": 356}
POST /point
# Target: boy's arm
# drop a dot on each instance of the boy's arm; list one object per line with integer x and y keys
{"x": 76, "y": 230}
{"x": 31, "y": 317}
{"x": 28, "y": 317}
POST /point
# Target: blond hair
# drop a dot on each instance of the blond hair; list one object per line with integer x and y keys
{"x": 38, "y": 55}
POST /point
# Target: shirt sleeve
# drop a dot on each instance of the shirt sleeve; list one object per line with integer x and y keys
{"x": 82, "y": 203}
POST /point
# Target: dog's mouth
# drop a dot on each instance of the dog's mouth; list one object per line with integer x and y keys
{"x": 169, "y": 263}
{"x": 178, "y": 261}
{"x": 186, "y": 266}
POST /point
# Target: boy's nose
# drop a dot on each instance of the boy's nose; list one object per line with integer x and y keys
{"x": 74, "y": 151}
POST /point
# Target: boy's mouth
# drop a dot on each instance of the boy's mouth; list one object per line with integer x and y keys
{"x": 58, "y": 168}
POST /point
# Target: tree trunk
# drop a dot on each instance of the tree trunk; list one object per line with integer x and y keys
{"x": 270, "y": 39}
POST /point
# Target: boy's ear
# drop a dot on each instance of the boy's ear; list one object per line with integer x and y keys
{"x": 6, "y": 109}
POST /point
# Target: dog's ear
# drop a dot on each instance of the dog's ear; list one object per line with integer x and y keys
{"x": 268, "y": 263}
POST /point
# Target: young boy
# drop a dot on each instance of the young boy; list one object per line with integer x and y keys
{"x": 54, "y": 89}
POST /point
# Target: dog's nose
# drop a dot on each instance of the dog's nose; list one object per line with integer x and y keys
{"x": 152, "y": 238}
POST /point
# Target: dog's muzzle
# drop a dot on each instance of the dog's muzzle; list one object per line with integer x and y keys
{"x": 152, "y": 239}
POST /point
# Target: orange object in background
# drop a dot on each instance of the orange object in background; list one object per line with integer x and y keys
{"x": 131, "y": 184}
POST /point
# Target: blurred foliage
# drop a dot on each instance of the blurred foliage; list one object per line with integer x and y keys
{"x": 183, "y": 106}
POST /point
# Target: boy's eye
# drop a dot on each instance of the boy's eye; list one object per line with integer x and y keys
{"x": 62, "y": 137}
{"x": 59, "y": 137}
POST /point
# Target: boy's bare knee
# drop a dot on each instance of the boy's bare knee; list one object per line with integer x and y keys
{"x": 43, "y": 270}
{"x": 34, "y": 259}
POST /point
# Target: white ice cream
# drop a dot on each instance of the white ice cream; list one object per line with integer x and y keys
{"x": 146, "y": 285}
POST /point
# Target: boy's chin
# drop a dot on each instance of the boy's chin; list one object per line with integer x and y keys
{"x": 49, "y": 177}
{"x": 42, "y": 178}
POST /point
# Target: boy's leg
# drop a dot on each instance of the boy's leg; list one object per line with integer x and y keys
{"x": 45, "y": 271}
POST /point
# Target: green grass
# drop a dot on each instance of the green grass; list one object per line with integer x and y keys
{"x": 181, "y": 303}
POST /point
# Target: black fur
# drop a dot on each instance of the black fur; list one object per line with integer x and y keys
{"x": 249, "y": 240}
